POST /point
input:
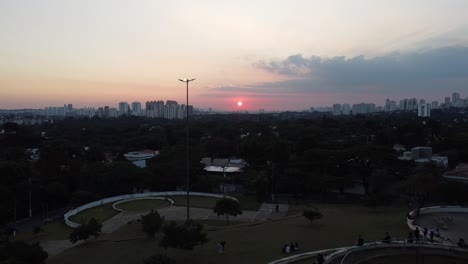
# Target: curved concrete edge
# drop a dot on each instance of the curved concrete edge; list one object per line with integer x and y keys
{"x": 306, "y": 255}
{"x": 114, "y": 205}
{"x": 430, "y": 210}
{"x": 394, "y": 244}
{"x": 75, "y": 211}
{"x": 334, "y": 253}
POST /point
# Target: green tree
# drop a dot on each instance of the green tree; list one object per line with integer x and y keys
{"x": 184, "y": 236}
{"x": 312, "y": 214}
{"x": 227, "y": 206}
{"x": 85, "y": 230}
{"x": 159, "y": 259}
{"x": 151, "y": 223}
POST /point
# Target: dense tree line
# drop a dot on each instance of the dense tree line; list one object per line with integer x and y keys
{"x": 295, "y": 153}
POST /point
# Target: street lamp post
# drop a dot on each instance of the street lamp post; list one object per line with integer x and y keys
{"x": 187, "y": 142}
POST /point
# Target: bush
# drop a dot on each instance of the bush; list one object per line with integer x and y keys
{"x": 227, "y": 206}
{"x": 151, "y": 223}
{"x": 85, "y": 230}
{"x": 184, "y": 236}
{"x": 312, "y": 214}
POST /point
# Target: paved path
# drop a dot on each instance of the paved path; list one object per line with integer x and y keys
{"x": 55, "y": 247}
{"x": 266, "y": 212}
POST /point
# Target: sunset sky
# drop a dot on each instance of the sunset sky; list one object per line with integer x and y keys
{"x": 272, "y": 54}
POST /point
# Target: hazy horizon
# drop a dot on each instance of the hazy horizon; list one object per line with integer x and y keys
{"x": 273, "y": 55}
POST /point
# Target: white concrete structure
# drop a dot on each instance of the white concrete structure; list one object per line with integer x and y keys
{"x": 113, "y": 199}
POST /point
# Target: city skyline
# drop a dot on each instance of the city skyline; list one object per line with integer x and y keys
{"x": 268, "y": 54}
{"x": 455, "y": 99}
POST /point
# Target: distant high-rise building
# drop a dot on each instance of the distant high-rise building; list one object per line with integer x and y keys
{"x": 422, "y": 101}
{"x": 155, "y": 109}
{"x": 435, "y": 104}
{"x": 455, "y": 98}
{"x": 424, "y": 110}
{"x": 123, "y": 108}
{"x": 106, "y": 111}
{"x": 345, "y": 109}
{"x": 447, "y": 101}
{"x": 100, "y": 112}
{"x": 136, "y": 108}
{"x": 387, "y": 105}
{"x": 413, "y": 104}
{"x": 363, "y": 108}
{"x": 170, "y": 110}
{"x": 393, "y": 106}
{"x": 337, "y": 109}
{"x": 113, "y": 112}
{"x": 404, "y": 105}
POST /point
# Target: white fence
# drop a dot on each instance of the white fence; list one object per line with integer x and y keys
{"x": 75, "y": 211}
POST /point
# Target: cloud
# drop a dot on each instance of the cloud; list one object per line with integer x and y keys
{"x": 434, "y": 70}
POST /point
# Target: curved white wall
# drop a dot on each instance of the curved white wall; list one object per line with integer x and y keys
{"x": 171, "y": 202}
{"x": 75, "y": 211}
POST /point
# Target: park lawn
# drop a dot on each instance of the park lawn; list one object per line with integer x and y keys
{"x": 248, "y": 202}
{"x": 101, "y": 213}
{"x": 56, "y": 230}
{"x": 143, "y": 205}
{"x": 195, "y": 201}
{"x": 256, "y": 242}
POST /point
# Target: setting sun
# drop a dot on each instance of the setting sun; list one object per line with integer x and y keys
{"x": 239, "y": 103}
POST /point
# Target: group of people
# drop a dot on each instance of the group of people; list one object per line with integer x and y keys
{"x": 290, "y": 247}
{"x": 431, "y": 233}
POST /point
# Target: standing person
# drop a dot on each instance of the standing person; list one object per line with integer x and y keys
{"x": 416, "y": 234}
{"x": 220, "y": 248}
{"x": 223, "y": 245}
{"x": 288, "y": 249}
{"x": 425, "y": 232}
{"x": 431, "y": 235}
{"x": 387, "y": 238}
{"x": 277, "y": 208}
{"x": 360, "y": 241}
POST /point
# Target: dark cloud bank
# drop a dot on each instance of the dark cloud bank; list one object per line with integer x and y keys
{"x": 436, "y": 71}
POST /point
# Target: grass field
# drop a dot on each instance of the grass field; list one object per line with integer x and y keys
{"x": 56, "y": 230}
{"x": 195, "y": 201}
{"x": 143, "y": 205}
{"x": 251, "y": 243}
{"x": 101, "y": 213}
{"x": 248, "y": 202}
